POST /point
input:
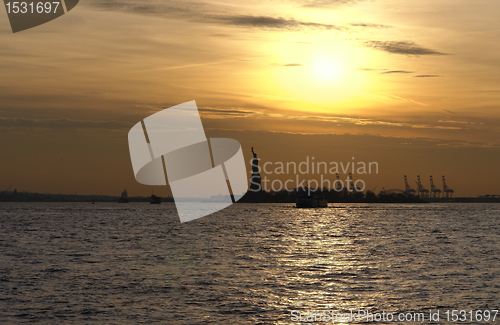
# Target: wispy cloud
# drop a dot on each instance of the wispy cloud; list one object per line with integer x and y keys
{"x": 193, "y": 65}
{"x": 235, "y": 112}
{"x": 459, "y": 122}
{"x": 396, "y": 71}
{"x": 427, "y": 76}
{"x": 209, "y": 13}
{"x": 370, "y": 25}
{"x": 212, "y": 13}
{"x": 416, "y": 102}
{"x": 326, "y": 3}
{"x": 228, "y": 111}
{"x": 61, "y": 124}
{"x": 408, "y": 48}
{"x": 289, "y": 64}
{"x": 267, "y": 22}
{"x": 389, "y": 71}
{"x": 371, "y": 69}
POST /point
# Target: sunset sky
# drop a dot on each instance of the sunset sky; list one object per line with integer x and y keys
{"x": 412, "y": 85}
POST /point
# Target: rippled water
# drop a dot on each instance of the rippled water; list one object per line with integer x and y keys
{"x": 249, "y": 264}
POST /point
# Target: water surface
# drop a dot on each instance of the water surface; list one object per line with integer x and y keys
{"x": 78, "y": 263}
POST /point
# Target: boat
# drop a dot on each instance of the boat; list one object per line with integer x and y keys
{"x": 306, "y": 199}
{"x": 155, "y": 199}
{"x": 124, "y": 197}
{"x": 321, "y": 203}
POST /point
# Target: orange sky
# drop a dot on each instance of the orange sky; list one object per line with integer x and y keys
{"x": 413, "y": 85}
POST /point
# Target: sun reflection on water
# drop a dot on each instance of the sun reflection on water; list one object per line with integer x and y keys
{"x": 248, "y": 264}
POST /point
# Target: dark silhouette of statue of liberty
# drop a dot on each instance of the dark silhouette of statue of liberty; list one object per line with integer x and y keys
{"x": 255, "y": 181}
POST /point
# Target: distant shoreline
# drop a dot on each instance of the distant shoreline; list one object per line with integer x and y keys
{"x": 37, "y": 197}
{"x": 249, "y": 198}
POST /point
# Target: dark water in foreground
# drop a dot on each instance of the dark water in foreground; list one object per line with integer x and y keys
{"x": 76, "y": 263}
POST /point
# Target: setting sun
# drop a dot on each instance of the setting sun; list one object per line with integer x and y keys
{"x": 327, "y": 69}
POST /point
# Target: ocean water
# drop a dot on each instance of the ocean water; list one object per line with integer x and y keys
{"x": 78, "y": 263}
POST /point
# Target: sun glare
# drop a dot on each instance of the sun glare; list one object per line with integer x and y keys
{"x": 319, "y": 76}
{"x": 326, "y": 69}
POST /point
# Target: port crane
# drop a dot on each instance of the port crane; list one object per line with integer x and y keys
{"x": 447, "y": 192}
{"x": 421, "y": 191}
{"x": 339, "y": 186}
{"x": 408, "y": 189}
{"x": 435, "y": 192}
{"x": 353, "y": 187}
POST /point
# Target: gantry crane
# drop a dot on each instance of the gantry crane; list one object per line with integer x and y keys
{"x": 408, "y": 189}
{"x": 421, "y": 191}
{"x": 353, "y": 187}
{"x": 339, "y": 187}
{"x": 447, "y": 192}
{"x": 435, "y": 192}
